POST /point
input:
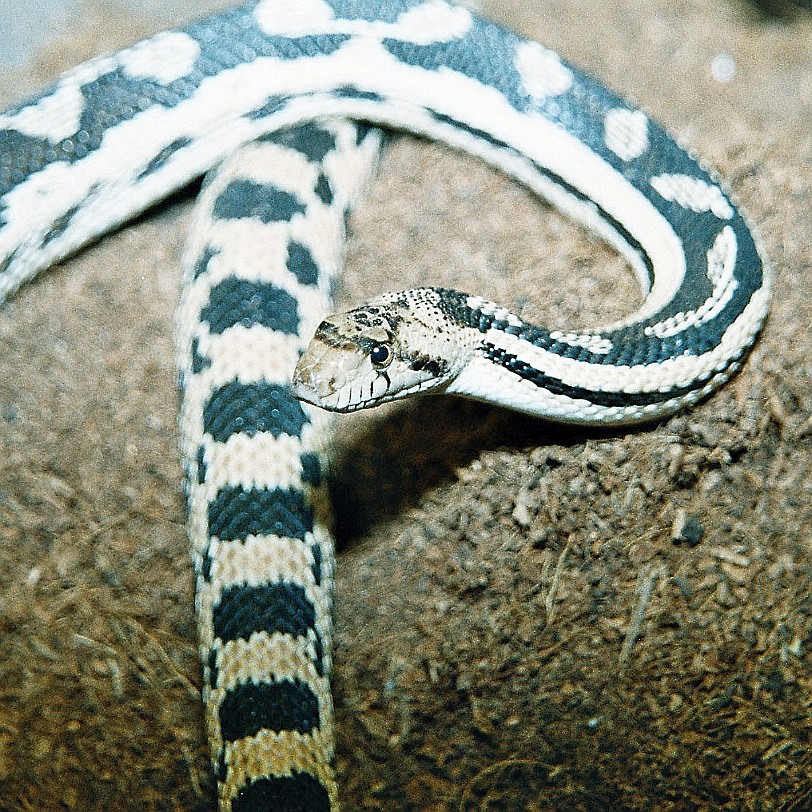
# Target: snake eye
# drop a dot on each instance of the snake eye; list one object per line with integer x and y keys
{"x": 381, "y": 355}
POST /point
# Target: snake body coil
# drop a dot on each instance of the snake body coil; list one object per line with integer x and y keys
{"x": 121, "y": 132}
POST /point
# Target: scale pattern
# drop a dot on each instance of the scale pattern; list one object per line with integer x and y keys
{"x": 260, "y": 266}
{"x": 119, "y": 133}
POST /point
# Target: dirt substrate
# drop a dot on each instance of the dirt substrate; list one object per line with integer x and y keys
{"x": 516, "y": 626}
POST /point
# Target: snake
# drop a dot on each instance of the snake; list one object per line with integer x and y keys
{"x": 261, "y": 97}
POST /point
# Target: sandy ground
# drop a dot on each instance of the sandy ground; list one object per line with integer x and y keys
{"x": 516, "y": 627}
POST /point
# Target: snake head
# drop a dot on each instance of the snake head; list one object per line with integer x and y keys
{"x": 389, "y": 348}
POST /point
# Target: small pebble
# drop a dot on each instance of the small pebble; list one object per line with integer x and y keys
{"x": 687, "y": 529}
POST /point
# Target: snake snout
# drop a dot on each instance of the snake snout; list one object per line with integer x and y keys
{"x": 305, "y": 385}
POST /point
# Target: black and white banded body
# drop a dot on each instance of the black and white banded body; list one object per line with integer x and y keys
{"x": 121, "y": 132}
{"x": 261, "y": 264}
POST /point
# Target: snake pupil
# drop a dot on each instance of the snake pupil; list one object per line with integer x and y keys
{"x": 381, "y": 355}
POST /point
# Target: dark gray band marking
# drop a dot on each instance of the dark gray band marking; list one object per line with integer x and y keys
{"x": 277, "y": 706}
{"x": 251, "y": 408}
{"x": 273, "y": 608}
{"x": 235, "y": 514}
{"x": 299, "y": 792}
{"x": 242, "y": 301}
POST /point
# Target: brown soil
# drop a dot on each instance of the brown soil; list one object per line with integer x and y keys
{"x": 517, "y": 628}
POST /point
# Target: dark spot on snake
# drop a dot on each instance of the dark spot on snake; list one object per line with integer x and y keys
{"x": 323, "y": 190}
{"x": 268, "y": 108}
{"x": 202, "y": 264}
{"x": 221, "y": 768}
{"x": 316, "y": 568}
{"x": 433, "y": 366}
{"x": 7, "y": 262}
{"x": 312, "y": 141}
{"x": 164, "y": 156}
{"x": 319, "y": 661}
{"x": 301, "y": 264}
{"x": 62, "y": 223}
{"x": 199, "y": 361}
{"x": 362, "y": 130}
{"x": 245, "y": 199}
{"x": 202, "y": 468}
{"x": 311, "y": 469}
{"x": 205, "y": 564}
{"x": 354, "y": 93}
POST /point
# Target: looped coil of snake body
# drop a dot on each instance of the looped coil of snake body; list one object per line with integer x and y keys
{"x": 274, "y": 84}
